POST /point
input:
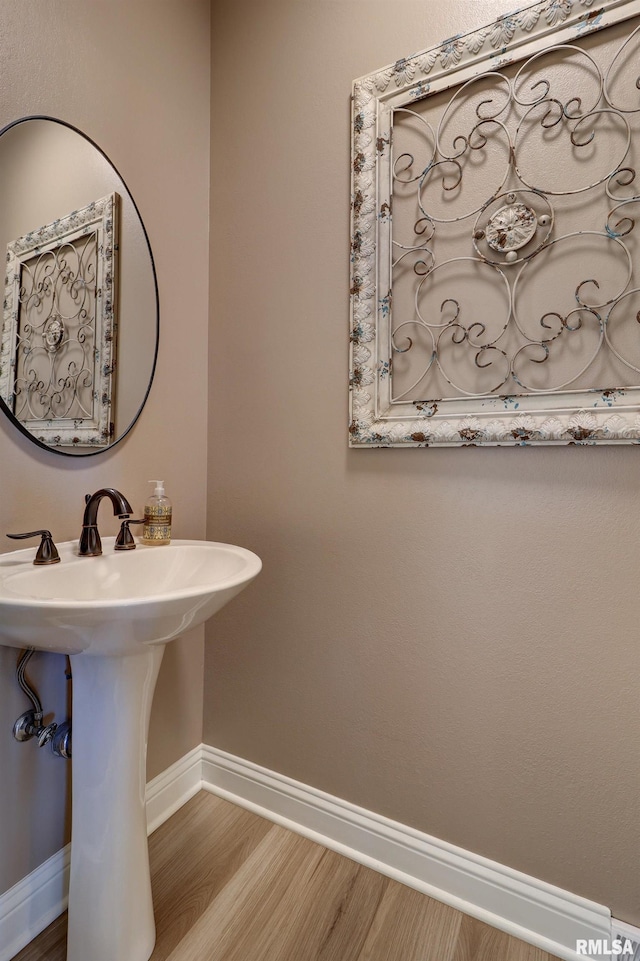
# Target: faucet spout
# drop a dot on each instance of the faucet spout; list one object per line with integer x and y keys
{"x": 90, "y": 544}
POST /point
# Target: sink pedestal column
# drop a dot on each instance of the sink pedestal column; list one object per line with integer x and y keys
{"x": 110, "y": 906}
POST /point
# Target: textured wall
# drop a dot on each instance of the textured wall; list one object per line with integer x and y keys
{"x": 448, "y": 637}
{"x": 134, "y": 75}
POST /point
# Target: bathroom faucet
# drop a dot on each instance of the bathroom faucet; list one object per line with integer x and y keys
{"x": 90, "y": 544}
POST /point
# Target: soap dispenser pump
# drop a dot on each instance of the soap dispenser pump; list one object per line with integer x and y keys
{"x": 157, "y": 517}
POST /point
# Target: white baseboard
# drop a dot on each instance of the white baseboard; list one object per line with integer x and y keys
{"x": 525, "y": 907}
{"x": 167, "y": 792}
{"x": 529, "y": 909}
{"x": 33, "y": 903}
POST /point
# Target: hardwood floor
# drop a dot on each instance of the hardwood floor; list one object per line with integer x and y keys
{"x": 230, "y": 886}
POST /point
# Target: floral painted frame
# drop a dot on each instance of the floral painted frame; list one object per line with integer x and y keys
{"x": 585, "y": 414}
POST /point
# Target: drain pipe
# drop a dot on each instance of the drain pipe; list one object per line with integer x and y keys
{"x": 30, "y": 724}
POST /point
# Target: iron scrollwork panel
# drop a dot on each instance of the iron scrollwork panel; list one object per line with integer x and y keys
{"x": 495, "y": 281}
{"x": 57, "y": 360}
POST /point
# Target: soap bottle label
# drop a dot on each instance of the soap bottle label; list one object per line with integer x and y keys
{"x": 157, "y": 524}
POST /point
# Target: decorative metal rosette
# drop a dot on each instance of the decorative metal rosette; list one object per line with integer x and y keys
{"x": 512, "y": 227}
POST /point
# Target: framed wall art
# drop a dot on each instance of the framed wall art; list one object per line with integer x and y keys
{"x": 495, "y": 255}
{"x": 57, "y": 361}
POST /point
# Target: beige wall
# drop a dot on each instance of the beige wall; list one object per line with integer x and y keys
{"x": 448, "y": 637}
{"x": 134, "y": 75}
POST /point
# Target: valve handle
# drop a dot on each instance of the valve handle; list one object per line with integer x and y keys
{"x": 47, "y": 552}
{"x": 20, "y": 537}
{"x": 124, "y": 540}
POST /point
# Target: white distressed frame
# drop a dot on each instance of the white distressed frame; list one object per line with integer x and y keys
{"x": 374, "y": 422}
{"x": 102, "y": 217}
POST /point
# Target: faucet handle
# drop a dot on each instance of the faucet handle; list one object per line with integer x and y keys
{"x": 124, "y": 540}
{"x": 47, "y": 552}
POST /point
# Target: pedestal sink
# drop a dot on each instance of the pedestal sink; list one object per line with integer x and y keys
{"x": 113, "y": 614}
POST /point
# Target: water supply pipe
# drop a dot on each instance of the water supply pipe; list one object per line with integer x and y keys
{"x": 31, "y": 723}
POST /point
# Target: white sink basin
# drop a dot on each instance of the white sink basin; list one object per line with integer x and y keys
{"x": 113, "y": 615}
{"x": 118, "y": 602}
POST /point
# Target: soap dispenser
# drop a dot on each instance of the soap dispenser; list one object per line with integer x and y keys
{"x": 157, "y": 517}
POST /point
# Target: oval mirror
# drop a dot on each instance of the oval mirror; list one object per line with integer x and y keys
{"x": 80, "y": 319}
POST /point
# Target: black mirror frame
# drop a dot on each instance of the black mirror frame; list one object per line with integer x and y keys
{"x": 3, "y": 407}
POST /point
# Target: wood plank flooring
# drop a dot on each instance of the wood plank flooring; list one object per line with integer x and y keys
{"x": 230, "y": 886}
